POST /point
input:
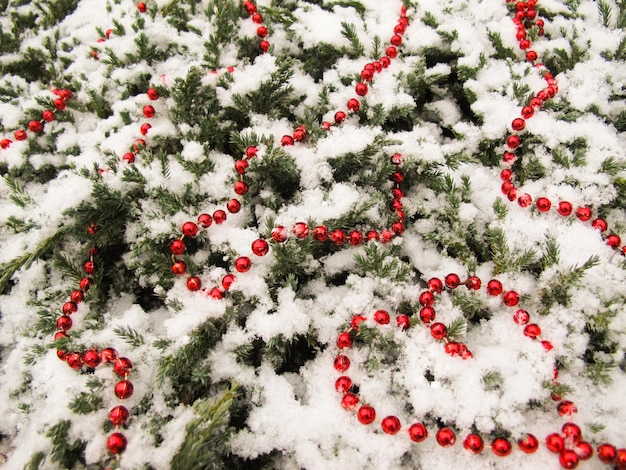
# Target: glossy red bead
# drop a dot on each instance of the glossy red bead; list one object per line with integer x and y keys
{"x": 510, "y": 298}
{"x": 205, "y": 220}
{"x": 233, "y": 206}
{"x": 583, "y": 213}
{"x": 543, "y": 204}
{"x": 260, "y": 247}
{"x": 92, "y": 358}
{"x": 521, "y": 317}
{"x": 123, "y": 389}
{"x": 122, "y": 366}
{"x": 438, "y": 330}
{"x": 418, "y": 432}
{"x": 452, "y": 281}
{"x": 241, "y": 188}
{"x": 116, "y": 443}
{"x": 301, "y": 230}
{"x": 119, "y": 416}
{"x": 572, "y": 431}
{"x": 349, "y": 401}
{"x": 382, "y": 317}
{"x": 342, "y": 363}
{"x": 568, "y": 459}
{"x": 391, "y": 425}
{"x": 243, "y": 264}
{"x": 194, "y": 283}
{"x": 280, "y": 234}
{"x": 227, "y": 281}
{"x": 473, "y": 443}
{"x": 532, "y": 331}
{"x": 343, "y": 384}
{"x": 427, "y": 314}
{"x": 427, "y": 299}
{"x": 501, "y": 447}
{"x": 189, "y": 229}
{"x": 366, "y": 414}
{"x": 555, "y": 442}
{"x": 528, "y": 444}
{"x": 344, "y": 340}
{"x": 446, "y": 437}
{"x": 607, "y": 453}
{"x": 494, "y": 287}
{"x": 219, "y": 216}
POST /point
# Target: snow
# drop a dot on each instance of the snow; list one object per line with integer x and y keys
{"x": 297, "y": 414}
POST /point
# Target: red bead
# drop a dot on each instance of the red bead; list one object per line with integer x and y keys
{"x": 129, "y": 157}
{"x": 35, "y": 126}
{"x": 453, "y": 348}
{"x": 190, "y": 229}
{"x": 403, "y": 321}
{"x": 122, "y": 366}
{"x": 418, "y": 432}
{"x": 518, "y": 124}
{"x": 261, "y": 31}
{"x": 513, "y": 141}
{"x": 75, "y": 360}
{"x": 243, "y": 264}
{"x": 123, "y": 389}
{"x": 427, "y": 314}
{"x": 257, "y": 18}
{"x": 510, "y": 298}
{"x": 524, "y": 200}
{"x": 60, "y": 335}
{"x": 494, "y": 287}
{"x": 92, "y": 358}
{"x": 427, "y": 299}
{"x": 367, "y": 74}
{"x": 568, "y": 459}
{"x": 501, "y": 447}
{"x": 251, "y": 151}
{"x": 142, "y": 9}
{"x": 620, "y": 459}
{"x": 508, "y": 157}
{"x": 179, "y": 268}
{"x": 108, "y": 355}
{"x": 600, "y": 224}
{"x": 391, "y": 425}
{"x": 20, "y": 135}
{"x": 5, "y": 143}
{"x": 69, "y": 308}
{"x": 473, "y": 443}
{"x": 372, "y": 235}
{"x": 205, "y": 220}
{"x": 473, "y": 283}
{"x": 148, "y": 111}
{"x": 301, "y": 230}
{"x": 152, "y": 94}
{"x": 227, "y": 281}
{"x": 139, "y": 144}
{"x": 356, "y": 321}
{"x": 215, "y": 293}
{"x": 391, "y": 52}
{"x": 349, "y": 401}
{"x": 436, "y": 285}
{"x": 286, "y": 140}
{"x": 396, "y": 40}
{"x": 521, "y": 317}
{"x": 543, "y": 204}
{"x": 250, "y": 7}
{"x": 59, "y": 104}
{"x": 344, "y": 340}
{"x": 614, "y": 241}
{"x": 527, "y": 112}
{"x": 532, "y": 331}
{"x": 528, "y": 444}
{"x": 89, "y": 267}
{"x": 438, "y": 330}
{"x": 219, "y": 216}
{"x": 177, "y": 247}
{"x": 565, "y": 208}
{"x": 607, "y": 453}
{"x": 353, "y": 105}
{"x": 366, "y": 414}
{"x": 584, "y": 450}
{"x": 241, "y": 188}
{"x": 446, "y": 437}
{"x": 343, "y": 384}
{"x": 583, "y": 213}
{"x": 241, "y": 166}
{"x": 382, "y": 317}
{"x": 194, "y": 283}
{"x": 361, "y": 89}
{"x": 64, "y": 323}
{"x": 279, "y": 234}
{"x": 61, "y": 354}
{"x": 355, "y": 238}
{"x": 555, "y": 442}
{"x": 338, "y": 237}
{"x": 144, "y": 128}
{"x": 531, "y": 56}
{"x": 116, "y": 443}
{"x": 260, "y": 247}
{"x": 452, "y": 281}
{"x": 320, "y": 233}
{"x": 572, "y": 431}
{"x": 119, "y": 416}
{"x": 524, "y": 43}
{"x": 342, "y": 363}
{"x": 340, "y": 116}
